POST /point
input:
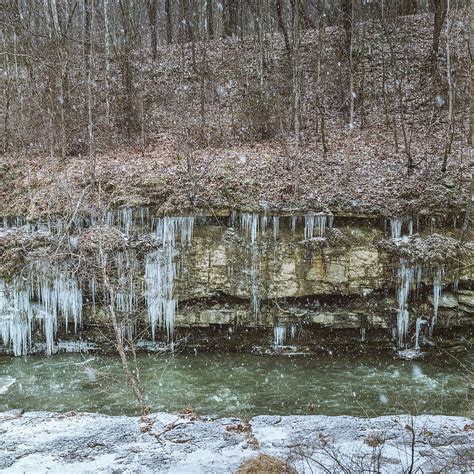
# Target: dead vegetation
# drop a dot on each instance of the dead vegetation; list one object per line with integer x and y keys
{"x": 431, "y": 249}
{"x": 265, "y": 464}
{"x": 242, "y": 153}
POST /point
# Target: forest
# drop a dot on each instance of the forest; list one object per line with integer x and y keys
{"x": 348, "y": 104}
{"x": 236, "y": 236}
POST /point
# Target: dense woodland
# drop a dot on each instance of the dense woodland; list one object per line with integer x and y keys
{"x": 340, "y": 90}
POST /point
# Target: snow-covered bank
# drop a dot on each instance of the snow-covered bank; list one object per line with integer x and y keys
{"x": 39, "y": 442}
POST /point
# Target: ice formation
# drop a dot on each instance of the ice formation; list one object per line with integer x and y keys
{"x": 253, "y": 225}
{"x": 397, "y": 224}
{"x": 395, "y": 228}
{"x": 279, "y": 336}
{"x": 293, "y": 222}
{"x": 318, "y": 223}
{"x": 160, "y": 271}
{"x": 436, "y": 296}
{"x": 126, "y": 295}
{"x": 127, "y": 218}
{"x": 419, "y": 324}
{"x": 250, "y": 223}
{"x": 276, "y": 227}
{"x": 38, "y": 301}
{"x": 405, "y": 276}
{"x": 52, "y": 296}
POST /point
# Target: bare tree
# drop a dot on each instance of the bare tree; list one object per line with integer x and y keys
{"x": 319, "y": 103}
{"x": 89, "y": 9}
{"x": 295, "y": 56}
{"x": 132, "y": 375}
{"x": 152, "y": 8}
{"x": 440, "y": 7}
{"x": 210, "y": 19}
{"x": 169, "y": 22}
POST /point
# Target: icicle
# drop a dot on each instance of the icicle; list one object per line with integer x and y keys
{"x": 317, "y": 222}
{"x": 92, "y": 290}
{"x": 293, "y": 222}
{"x": 293, "y": 330}
{"x": 276, "y": 227}
{"x": 110, "y": 218}
{"x": 128, "y": 331}
{"x": 419, "y": 323}
{"x": 308, "y": 226}
{"x": 125, "y": 217}
{"x": 126, "y": 297}
{"x": 233, "y": 218}
{"x": 321, "y": 222}
{"x": 249, "y": 222}
{"x": 39, "y": 298}
{"x": 395, "y": 228}
{"x": 362, "y": 334}
{"x": 15, "y": 318}
{"x": 436, "y": 296}
{"x": 68, "y": 298}
{"x": 160, "y": 271}
{"x": 264, "y": 222}
{"x": 419, "y": 276}
{"x": 405, "y": 281}
{"x": 144, "y": 215}
{"x": 279, "y": 336}
{"x": 255, "y": 300}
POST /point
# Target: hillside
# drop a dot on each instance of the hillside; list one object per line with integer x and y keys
{"x": 211, "y": 138}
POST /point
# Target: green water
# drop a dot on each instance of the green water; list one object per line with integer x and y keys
{"x": 242, "y": 385}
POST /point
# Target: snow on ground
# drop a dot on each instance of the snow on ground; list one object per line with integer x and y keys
{"x": 80, "y": 442}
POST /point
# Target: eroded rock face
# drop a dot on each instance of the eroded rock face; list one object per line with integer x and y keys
{"x": 466, "y": 300}
{"x": 286, "y": 268}
{"x": 181, "y": 444}
{"x": 447, "y": 300}
{"x": 231, "y": 272}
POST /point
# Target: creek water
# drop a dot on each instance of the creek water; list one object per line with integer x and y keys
{"x": 240, "y": 385}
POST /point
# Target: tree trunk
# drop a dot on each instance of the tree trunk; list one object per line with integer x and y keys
{"x": 282, "y": 27}
{"x": 440, "y": 7}
{"x": 469, "y": 214}
{"x": 450, "y": 127}
{"x": 210, "y": 19}
{"x": 296, "y": 72}
{"x": 407, "y": 7}
{"x": 107, "y": 60}
{"x": 89, "y": 8}
{"x": 229, "y": 17}
{"x": 319, "y": 106}
{"x": 132, "y": 378}
{"x": 169, "y": 22}
{"x": 129, "y": 110}
{"x": 471, "y": 50}
{"x": 152, "y": 17}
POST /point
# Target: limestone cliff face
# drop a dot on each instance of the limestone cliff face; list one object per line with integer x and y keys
{"x": 296, "y": 275}
{"x": 220, "y": 261}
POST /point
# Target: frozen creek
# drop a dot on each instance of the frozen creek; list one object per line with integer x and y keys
{"x": 80, "y": 442}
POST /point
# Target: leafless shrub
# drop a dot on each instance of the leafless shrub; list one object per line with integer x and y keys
{"x": 265, "y": 464}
